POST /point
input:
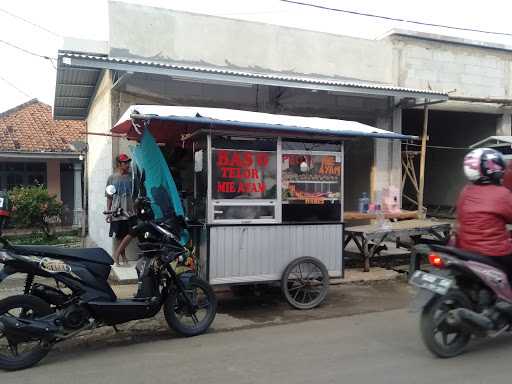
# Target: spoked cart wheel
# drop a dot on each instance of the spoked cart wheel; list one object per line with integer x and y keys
{"x": 305, "y": 282}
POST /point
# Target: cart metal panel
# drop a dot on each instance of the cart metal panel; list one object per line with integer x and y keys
{"x": 259, "y": 253}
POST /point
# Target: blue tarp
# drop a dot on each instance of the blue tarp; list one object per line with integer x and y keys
{"x": 158, "y": 182}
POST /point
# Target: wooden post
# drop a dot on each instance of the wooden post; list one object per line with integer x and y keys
{"x": 424, "y": 136}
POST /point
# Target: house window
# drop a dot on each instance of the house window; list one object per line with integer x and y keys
{"x": 14, "y": 174}
{"x": 244, "y": 180}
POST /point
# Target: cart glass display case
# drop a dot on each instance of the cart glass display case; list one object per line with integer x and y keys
{"x": 311, "y": 182}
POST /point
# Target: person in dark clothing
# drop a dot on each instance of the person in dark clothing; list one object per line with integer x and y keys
{"x": 484, "y": 208}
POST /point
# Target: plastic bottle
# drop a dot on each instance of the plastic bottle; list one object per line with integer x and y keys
{"x": 382, "y": 222}
{"x": 364, "y": 202}
{"x": 380, "y": 215}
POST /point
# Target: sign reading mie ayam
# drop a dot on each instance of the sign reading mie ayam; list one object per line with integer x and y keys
{"x": 248, "y": 174}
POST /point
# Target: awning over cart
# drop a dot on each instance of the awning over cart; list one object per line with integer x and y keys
{"x": 168, "y": 123}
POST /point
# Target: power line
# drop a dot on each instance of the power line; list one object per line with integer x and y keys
{"x": 15, "y": 87}
{"x": 394, "y": 18}
{"x": 29, "y": 22}
{"x": 438, "y": 147}
{"x": 29, "y": 52}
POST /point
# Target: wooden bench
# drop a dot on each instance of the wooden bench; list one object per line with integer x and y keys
{"x": 368, "y": 238}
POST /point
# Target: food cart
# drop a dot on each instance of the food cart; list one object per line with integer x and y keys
{"x": 265, "y": 191}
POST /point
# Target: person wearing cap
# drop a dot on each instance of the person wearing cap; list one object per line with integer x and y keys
{"x": 122, "y": 181}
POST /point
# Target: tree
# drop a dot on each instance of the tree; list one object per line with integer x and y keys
{"x": 34, "y": 207}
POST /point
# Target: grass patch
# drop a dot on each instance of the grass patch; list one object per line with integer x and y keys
{"x": 65, "y": 238}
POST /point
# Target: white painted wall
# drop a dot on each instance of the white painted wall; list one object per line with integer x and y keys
{"x": 99, "y": 163}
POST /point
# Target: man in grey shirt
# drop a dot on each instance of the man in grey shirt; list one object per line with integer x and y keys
{"x": 122, "y": 181}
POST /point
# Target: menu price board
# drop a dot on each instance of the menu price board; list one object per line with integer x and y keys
{"x": 311, "y": 179}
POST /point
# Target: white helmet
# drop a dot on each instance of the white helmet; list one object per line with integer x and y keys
{"x": 484, "y": 166}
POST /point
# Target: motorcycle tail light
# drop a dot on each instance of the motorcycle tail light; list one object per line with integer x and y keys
{"x": 435, "y": 260}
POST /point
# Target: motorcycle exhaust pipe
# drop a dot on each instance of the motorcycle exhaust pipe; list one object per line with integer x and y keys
{"x": 26, "y": 329}
{"x": 472, "y": 321}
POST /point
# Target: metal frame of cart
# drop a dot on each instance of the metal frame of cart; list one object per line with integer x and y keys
{"x": 268, "y": 192}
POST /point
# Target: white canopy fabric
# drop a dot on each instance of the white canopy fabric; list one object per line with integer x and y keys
{"x": 255, "y": 120}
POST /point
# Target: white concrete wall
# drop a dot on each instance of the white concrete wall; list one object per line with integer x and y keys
{"x": 167, "y": 35}
{"x": 387, "y": 168}
{"x": 99, "y": 163}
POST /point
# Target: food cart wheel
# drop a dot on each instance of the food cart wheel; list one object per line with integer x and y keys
{"x": 305, "y": 282}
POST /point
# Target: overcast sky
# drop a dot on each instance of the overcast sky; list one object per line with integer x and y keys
{"x": 24, "y": 76}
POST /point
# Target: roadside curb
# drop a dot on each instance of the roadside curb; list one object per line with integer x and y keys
{"x": 352, "y": 276}
{"x": 375, "y": 275}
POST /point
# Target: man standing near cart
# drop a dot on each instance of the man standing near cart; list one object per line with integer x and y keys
{"x": 120, "y": 224}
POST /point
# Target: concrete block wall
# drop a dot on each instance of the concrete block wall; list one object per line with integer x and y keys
{"x": 99, "y": 163}
{"x": 470, "y": 70}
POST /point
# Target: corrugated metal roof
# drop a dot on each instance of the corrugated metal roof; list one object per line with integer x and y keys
{"x": 80, "y": 69}
{"x": 493, "y": 141}
{"x": 73, "y": 91}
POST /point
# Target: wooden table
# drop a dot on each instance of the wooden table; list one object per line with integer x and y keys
{"x": 368, "y": 238}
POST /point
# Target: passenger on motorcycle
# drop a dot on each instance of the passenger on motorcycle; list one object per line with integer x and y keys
{"x": 484, "y": 208}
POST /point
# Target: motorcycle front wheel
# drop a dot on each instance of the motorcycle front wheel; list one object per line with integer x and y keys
{"x": 194, "y": 319}
{"x": 439, "y": 337}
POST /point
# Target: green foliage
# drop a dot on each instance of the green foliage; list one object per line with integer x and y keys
{"x": 70, "y": 238}
{"x": 34, "y": 207}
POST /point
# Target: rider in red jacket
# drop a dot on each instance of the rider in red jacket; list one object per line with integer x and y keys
{"x": 484, "y": 207}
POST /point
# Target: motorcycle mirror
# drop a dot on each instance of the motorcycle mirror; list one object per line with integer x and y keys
{"x": 111, "y": 190}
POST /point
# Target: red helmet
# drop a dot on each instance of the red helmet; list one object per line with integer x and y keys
{"x": 484, "y": 166}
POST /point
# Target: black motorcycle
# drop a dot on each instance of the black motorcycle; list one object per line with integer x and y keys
{"x": 82, "y": 299}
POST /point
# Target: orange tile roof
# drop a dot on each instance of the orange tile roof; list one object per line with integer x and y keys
{"x": 29, "y": 127}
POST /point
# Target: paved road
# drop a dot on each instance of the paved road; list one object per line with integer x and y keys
{"x": 381, "y": 347}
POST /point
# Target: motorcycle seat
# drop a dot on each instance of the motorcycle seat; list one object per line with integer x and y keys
{"x": 94, "y": 255}
{"x": 468, "y": 256}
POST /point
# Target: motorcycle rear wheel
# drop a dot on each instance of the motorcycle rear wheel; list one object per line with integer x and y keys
{"x": 441, "y": 339}
{"x": 187, "y": 321}
{"x": 22, "y": 306}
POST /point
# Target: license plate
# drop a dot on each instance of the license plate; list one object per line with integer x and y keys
{"x": 431, "y": 282}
